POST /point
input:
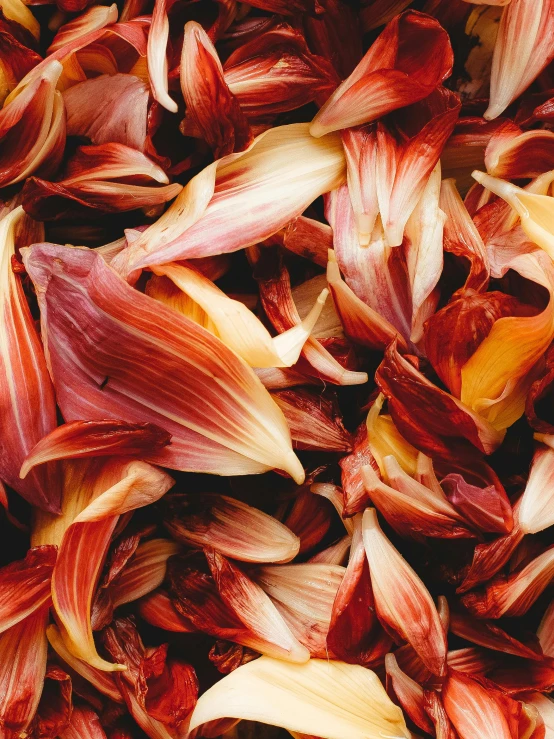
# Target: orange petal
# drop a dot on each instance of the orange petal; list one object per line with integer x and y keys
{"x": 402, "y": 602}
{"x": 409, "y": 693}
{"x": 25, "y": 585}
{"x": 157, "y": 609}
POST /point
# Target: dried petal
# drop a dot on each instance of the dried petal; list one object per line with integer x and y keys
{"x": 402, "y": 602}
{"x": 488, "y": 509}
{"x": 409, "y": 694}
{"x": 157, "y": 609}
{"x": 230, "y": 526}
{"x": 25, "y": 585}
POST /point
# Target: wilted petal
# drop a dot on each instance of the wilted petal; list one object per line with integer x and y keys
{"x": 32, "y": 126}
{"x": 304, "y": 595}
{"x": 310, "y": 518}
{"x": 410, "y": 508}
{"x": 25, "y": 585}
{"x": 314, "y": 420}
{"x": 198, "y": 298}
{"x": 515, "y": 594}
{"x": 157, "y": 54}
{"x": 488, "y": 634}
{"x": 438, "y": 423}
{"x": 230, "y": 526}
{"x": 335, "y": 554}
{"x": 308, "y": 238}
{"x": 233, "y": 426}
{"x": 402, "y": 602}
{"x": 522, "y": 50}
{"x": 27, "y": 397}
{"x": 322, "y": 698}
{"x": 157, "y": 609}
{"x": 212, "y": 108}
{"x": 243, "y": 198}
{"x": 326, "y": 32}
{"x": 56, "y": 707}
{"x": 409, "y": 694}
{"x": 410, "y": 58}
{"x": 119, "y": 486}
{"x": 255, "y": 609}
{"x": 361, "y": 324}
{"x": 108, "y": 178}
{"x": 84, "y": 724}
{"x": 384, "y": 439}
{"x": 95, "y": 439}
{"x": 355, "y": 497}
{"x": 488, "y": 509}
{"x": 92, "y": 19}
{"x": 545, "y": 707}
{"x": 275, "y": 72}
{"x": 108, "y": 109}
{"x": 513, "y": 155}
{"x": 407, "y": 154}
{"x": 360, "y": 148}
{"x": 23, "y": 650}
{"x": 355, "y": 634}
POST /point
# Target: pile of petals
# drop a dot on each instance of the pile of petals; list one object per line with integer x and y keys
{"x": 277, "y": 369}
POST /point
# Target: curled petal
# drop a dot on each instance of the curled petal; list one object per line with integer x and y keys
{"x": 211, "y": 106}
{"x": 376, "y": 13}
{"x": 304, "y": 595}
{"x": 323, "y": 698}
{"x": 156, "y": 609}
{"x": 355, "y": 497}
{"x": 335, "y": 554}
{"x": 108, "y": 108}
{"x": 515, "y": 594}
{"x": 309, "y": 239}
{"x": 360, "y": 148}
{"x": 231, "y": 527}
{"x": 535, "y": 511}
{"x": 227, "y": 429}
{"x": 243, "y": 198}
{"x": 488, "y": 509}
{"x": 410, "y": 58}
{"x": 409, "y": 693}
{"x": 402, "y": 602}
{"x": 471, "y": 660}
{"x": 25, "y": 585}
{"x": 256, "y": 611}
{"x": 84, "y": 724}
{"x": 196, "y": 297}
{"x": 513, "y": 155}
{"x": 95, "y": 439}
{"x": 437, "y": 422}
{"x": 384, "y": 439}
{"x": 310, "y": 518}
{"x": 355, "y": 635}
{"x": 522, "y": 50}
{"x": 27, "y": 396}
{"x": 314, "y": 420}
{"x": 157, "y": 59}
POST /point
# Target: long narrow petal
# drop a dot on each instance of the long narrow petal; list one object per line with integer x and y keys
{"x": 409, "y": 694}
{"x": 406, "y": 63}
{"x": 157, "y": 609}
{"x": 95, "y": 439}
{"x": 92, "y": 19}
{"x": 515, "y": 594}
{"x": 232, "y": 427}
{"x": 29, "y": 407}
{"x": 25, "y": 585}
{"x": 536, "y": 507}
{"x": 355, "y": 497}
{"x": 157, "y": 59}
{"x": 200, "y": 299}
{"x": 22, "y": 667}
{"x": 522, "y": 50}
{"x": 488, "y": 634}
{"x": 231, "y": 527}
{"x": 322, "y": 698}
{"x": 402, "y": 601}
{"x": 255, "y": 194}
{"x": 211, "y": 106}
{"x": 304, "y": 595}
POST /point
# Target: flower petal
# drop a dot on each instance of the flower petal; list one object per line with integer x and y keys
{"x": 234, "y": 426}
{"x": 156, "y": 609}
{"x": 406, "y": 63}
{"x": 409, "y": 694}
{"x": 402, "y": 602}
{"x": 535, "y": 511}
{"x": 331, "y": 699}
{"x": 230, "y": 526}
{"x": 25, "y": 585}
{"x": 488, "y": 509}
{"x": 84, "y": 724}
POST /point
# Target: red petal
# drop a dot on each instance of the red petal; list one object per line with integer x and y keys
{"x": 84, "y": 724}
{"x": 157, "y": 609}
{"x": 326, "y": 33}
{"x": 411, "y": 57}
{"x": 513, "y": 155}
{"x": 25, "y": 585}
{"x": 310, "y": 518}
{"x": 408, "y": 693}
{"x": 355, "y": 496}
{"x": 488, "y": 509}
{"x": 55, "y": 707}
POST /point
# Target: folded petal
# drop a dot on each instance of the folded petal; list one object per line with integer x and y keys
{"x": 487, "y": 509}
{"x": 324, "y": 698}
{"x": 410, "y": 58}
{"x": 384, "y": 439}
{"x": 27, "y": 396}
{"x": 198, "y": 298}
{"x": 95, "y": 439}
{"x": 279, "y": 175}
{"x": 232, "y": 427}
{"x": 488, "y": 634}
{"x": 326, "y": 32}
{"x": 156, "y": 609}
{"x": 25, "y": 585}
{"x": 304, "y": 595}
{"x": 438, "y": 423}
{"x": 310, "y": 518}
{"x": 84, "y": 724}
{"x": 410, "y": 508}
{"x": 230, "y": 526}
{"x": 308, "y": 238}
{"x": 314, "y": 420}
{"x": 409, "y": 694}
{"x": 513, "y": 155}
{"x": 355, "y": 634}
{"x": 23, "y": 650}
{"x": 514, "y": 594}
{"x": 355, "y": 498}
{"x": 120, "y": 486}
{"x": 32, "y": 126}
{"x": 522, "y": 50}
{"x": 108, "y": 109}
{"x": 402, "y": 602}
{"x": 212, "y": 108}
{"x": 157, "y": 55}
